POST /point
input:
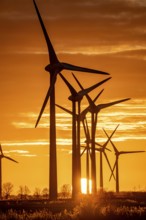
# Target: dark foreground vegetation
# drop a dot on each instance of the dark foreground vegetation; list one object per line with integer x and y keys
{"x": 104, "y": 206}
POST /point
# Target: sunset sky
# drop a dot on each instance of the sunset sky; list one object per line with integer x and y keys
{"x": 108, "y": 35}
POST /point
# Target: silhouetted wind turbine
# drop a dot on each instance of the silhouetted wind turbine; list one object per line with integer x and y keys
{"x": 54, "y": 68}
{"x": 76, "y": 97}
{"x": 102, "y": 151}
{"x": 88, "y": 141}
{"x": 116, "y": 165}
{"x": 93, "y": 159}
{"x": 1, "y": 157}
{"x": 95, "y": 109}
{"x": 82, "y": 118}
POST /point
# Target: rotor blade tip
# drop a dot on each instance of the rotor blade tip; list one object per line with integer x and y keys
{"x": 108, "y": 78}
{"x": 34, "y": 2}
{"x": 36, "y": 125}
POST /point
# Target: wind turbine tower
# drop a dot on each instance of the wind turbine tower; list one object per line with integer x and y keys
{"x": 54, "y": 67}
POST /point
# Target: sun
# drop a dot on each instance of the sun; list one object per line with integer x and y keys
{"x": 84, "y": 186}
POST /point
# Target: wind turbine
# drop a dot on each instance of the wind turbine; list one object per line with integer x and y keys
{"x": 82, "y": 118}
{"x": 95, "y": 109}
{"x": 54, "y": 68}
{"x": 1, "y": 157}
{"x": 116, "y": 165}
{"x": 102, "y": 151}
{"x": 79, "y": 118}
{"x": 76, "y": 97}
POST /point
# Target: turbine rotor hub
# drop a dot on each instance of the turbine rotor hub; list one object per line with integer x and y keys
{"x": 54, "y": 68}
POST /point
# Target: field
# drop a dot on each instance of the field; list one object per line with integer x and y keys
{"x": 104, "y": 206}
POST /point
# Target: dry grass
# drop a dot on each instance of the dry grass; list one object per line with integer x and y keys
{"x": 104, "y": 206}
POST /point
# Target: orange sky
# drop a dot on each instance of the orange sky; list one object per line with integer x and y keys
{"x": 108, "y": 35}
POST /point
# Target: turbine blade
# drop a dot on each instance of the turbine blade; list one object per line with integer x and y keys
{"x": 107, "y": 149}
{"x": 85, "y": 91}
{"x": 87, "y": 96}
{"x": 114, "y": 147}
{"x": 52, "y": 54}
{"x": 106, "y": 105}
{"x": 109, "y": 138}
{"x": 83, "y": 113}
{"x": 98, "y": 149}
{"x": 98, "y": 144}
{"x": 102, "y": 146}
{"x": 82, "y": 88}
{"x": 78, "y": 81}
{"x": 52, "y": 84}
{"x": 98, "y": 95}
{"x": 131, "y": 152}
{"x": 64, "y": 109}
{"x": 83, "y": 152}
{"x": 108, "y": 163}
{"x": 113, "y": 170}
{"x": 86, "y": 130}
{"x": 43, "y": 107}
{"x": 72, "y": 90}
{"x": 82, "y": 69}
{"x": 9, "y": 158}
{"x": 91, "y": 102}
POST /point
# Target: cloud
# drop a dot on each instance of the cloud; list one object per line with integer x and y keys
{"x": 83, "y": 26}
{"x": 137, "y": 52}
{"x": 30, "y": 143}
{"x": 22, "y": 153}
{"x": 131, "y": 116}
{"x": 28, "y": 155}
{"x": 16, "y": 151}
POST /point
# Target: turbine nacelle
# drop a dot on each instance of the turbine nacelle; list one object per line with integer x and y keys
{"x": 54, "y": 68}
{"x": 77, "y": 98}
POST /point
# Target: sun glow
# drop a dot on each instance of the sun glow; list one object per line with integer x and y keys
{"x": 84, "y": 186}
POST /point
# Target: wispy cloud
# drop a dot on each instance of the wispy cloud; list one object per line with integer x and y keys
{"x": 16, "y": 151}
{"x": 109, "y": 23}
{"x": 22, "y": 153}
{"x": 132, "y": 52}
{"x": 28, "y": 155}
{"x": 26, "y": 143}
{"x": 130, "y": 116}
